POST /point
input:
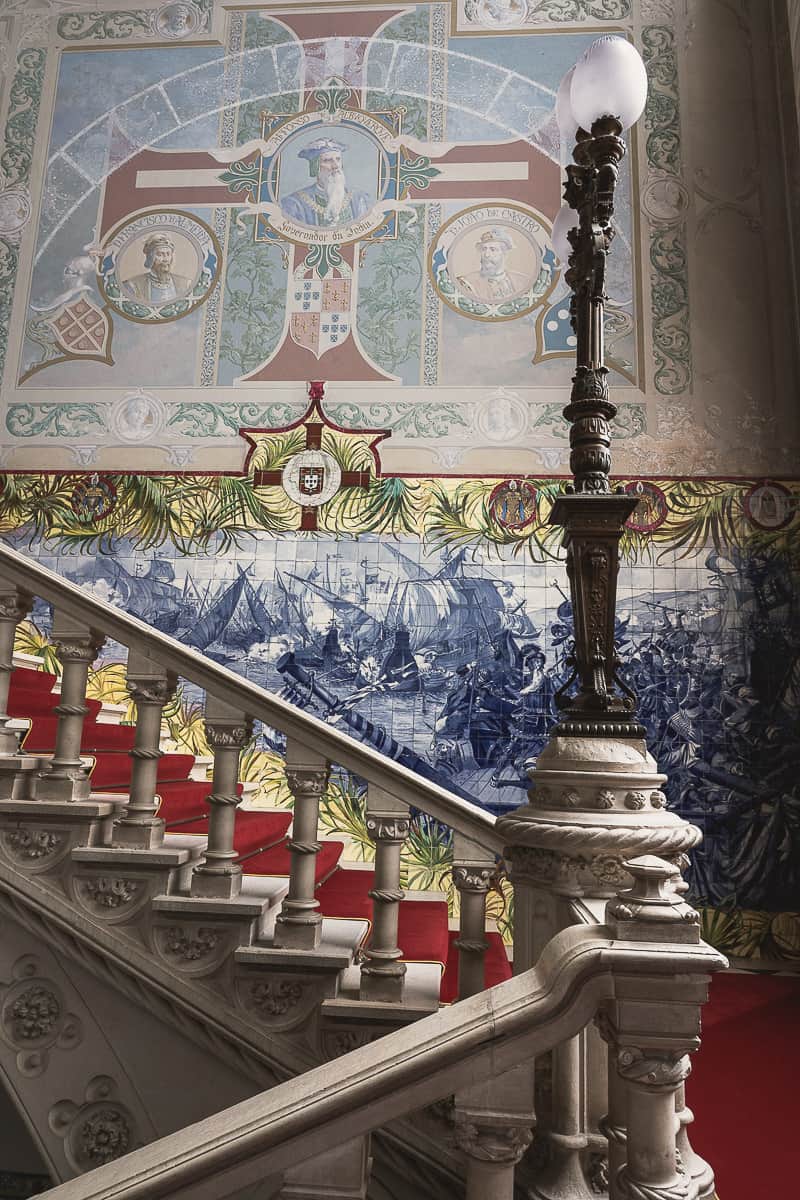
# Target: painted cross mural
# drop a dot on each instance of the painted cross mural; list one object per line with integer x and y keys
{"x": 312, "y": 476}
{"x": 324, "y": 184}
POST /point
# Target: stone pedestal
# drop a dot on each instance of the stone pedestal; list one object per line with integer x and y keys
{"x": 594, "y": 802}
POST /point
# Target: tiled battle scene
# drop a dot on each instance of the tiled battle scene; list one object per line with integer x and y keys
{"x": 445, "y": 647}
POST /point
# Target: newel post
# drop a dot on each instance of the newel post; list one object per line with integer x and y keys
{"x": 652, "y": 1026}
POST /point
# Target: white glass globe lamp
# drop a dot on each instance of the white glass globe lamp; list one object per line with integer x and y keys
{"x": 565, "y": 220}
{"x": 609, "y": 80}
{"x": 567, "y": 125}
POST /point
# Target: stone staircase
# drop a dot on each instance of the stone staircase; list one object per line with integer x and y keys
{"x": 243, "y": 939}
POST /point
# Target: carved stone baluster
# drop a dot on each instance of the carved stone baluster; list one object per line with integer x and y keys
{"x": 700, "y": 1173}
{"x": 652, "y": 1025}
{"x": 473, "y": 871}
{"x": 228, "y": 731}
{"x": 14, "y": 606}
{"x": 494, "y": 1123}
{"x": 612, "y": 1126}
{"x": 382, "y": 974}
{"x": 653, "y": 1170}
{"x": 150, "y": 686}
{"x": 65, "y": 777}
{"x": 299, "y": 923}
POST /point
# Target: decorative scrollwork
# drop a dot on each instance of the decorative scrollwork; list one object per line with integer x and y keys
{"x": 387, "y": 828}
{"x": 104, "y": 1135}
{"x": 109, "y": 891}
{"x": 33, "y": 844}
{"x": 152, "y": 691}
{"x": 306, "y": 783}
{"x": 471, "y": 878}
{"x": 228, "y": 737}
{"x": 15, "y": 607}
{"x": 492, "y": 1143}
{"x": 655, "y": 1070}
{"x": 190, "y": 945}
{"x": 34, "y": 1014}
{"x": 275, "y": 998}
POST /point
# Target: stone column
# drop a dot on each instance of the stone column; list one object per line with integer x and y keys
{"x": 652, "y": 1025}
{"x": 65, "y": 777}
{"x": 594, "y": 802}
{"x": 473, "y": 872}
{"x": 150, "y": 686}
{"x": 700, "y": 1173}
{"x": 613, "y": 1125}
{"x": 493, "y": 1143}
{"x": 299, "y": 923}
{"x": 228, "y": 731}
{"x": 652, "y": 1170}
{"x": 14, "y": 606}
{"x": 382, "y": 973}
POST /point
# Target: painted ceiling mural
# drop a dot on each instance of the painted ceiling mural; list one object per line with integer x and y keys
{"x": 250, "y": 197}
{"x": 205, "y": 206}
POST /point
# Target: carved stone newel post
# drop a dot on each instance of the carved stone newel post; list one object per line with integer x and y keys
{"x": 652, "y": 1026}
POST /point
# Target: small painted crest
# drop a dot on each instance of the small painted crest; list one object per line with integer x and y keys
{"x": 513, "y": 504}
{"x": 311, "y": 480}
{"x": 93, "y": 498}
{"x": 651, "y": 511}
{"x": 81, "y": 328}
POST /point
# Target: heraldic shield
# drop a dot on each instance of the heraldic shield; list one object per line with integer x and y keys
{"x": 311, "y": 480}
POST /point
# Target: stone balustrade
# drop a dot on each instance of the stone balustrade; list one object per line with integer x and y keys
{"x": 596, "y": 829}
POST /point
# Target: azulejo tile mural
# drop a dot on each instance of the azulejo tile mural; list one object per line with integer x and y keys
{"x": 434, "y": 612}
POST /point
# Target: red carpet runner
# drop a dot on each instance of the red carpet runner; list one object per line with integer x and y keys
{"x": 745, "y": 1083}
{"x": 745, "y": 1086}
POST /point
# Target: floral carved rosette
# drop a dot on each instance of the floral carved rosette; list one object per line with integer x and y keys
{"x": 159, "y": 266}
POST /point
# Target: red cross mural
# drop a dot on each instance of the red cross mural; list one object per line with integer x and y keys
{"x": 276, "y": 181}
{"x": 312, "y": 476}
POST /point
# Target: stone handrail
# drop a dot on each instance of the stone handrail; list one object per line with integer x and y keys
{"x": 308, "y": 732}
{"x": 582, "y": 971}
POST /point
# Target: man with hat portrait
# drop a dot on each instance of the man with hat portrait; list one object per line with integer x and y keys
{"x": 326, "y": 202}
{"x": 157, "y": 284}
{"x": 492, "y": 283}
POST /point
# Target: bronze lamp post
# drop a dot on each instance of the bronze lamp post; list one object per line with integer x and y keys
{"x": 605, "y": 93}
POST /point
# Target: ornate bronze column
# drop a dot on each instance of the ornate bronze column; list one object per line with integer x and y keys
{"x": 592, "y": 516}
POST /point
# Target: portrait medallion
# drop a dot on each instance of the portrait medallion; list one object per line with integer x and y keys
{"x": 493, "y": 262}
{"x": 159, "y": 266}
